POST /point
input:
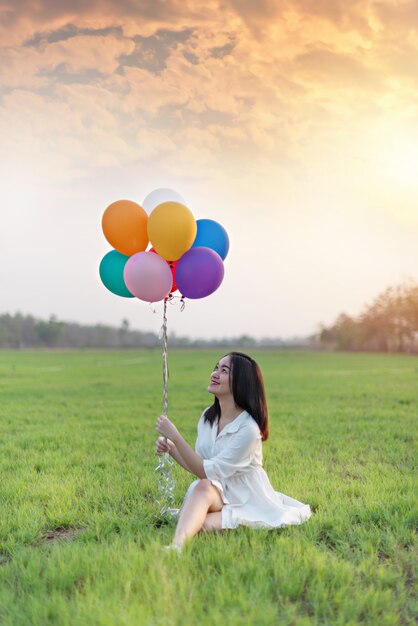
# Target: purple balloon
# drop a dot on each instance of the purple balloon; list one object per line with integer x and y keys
{"x": 148, "y": 276}
{"x": 199, "y": 272}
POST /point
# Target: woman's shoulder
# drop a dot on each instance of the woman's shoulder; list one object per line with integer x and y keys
{"x": 248, "y": 422}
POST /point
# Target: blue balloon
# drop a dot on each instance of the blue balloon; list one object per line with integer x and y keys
{"x": 212, "y": 235}
{"x": 111, "y": 273}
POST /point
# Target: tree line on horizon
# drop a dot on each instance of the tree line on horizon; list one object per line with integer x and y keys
{"x": 19, "y": 332}
{"x": 388, "y": 324}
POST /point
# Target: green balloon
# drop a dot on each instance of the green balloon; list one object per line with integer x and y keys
{"x": 111, "y": 273}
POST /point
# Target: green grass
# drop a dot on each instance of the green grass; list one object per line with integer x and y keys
{"x": 77, "y": 452}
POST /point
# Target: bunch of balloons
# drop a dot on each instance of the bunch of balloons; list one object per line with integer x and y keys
{"x": 160, "y": 248}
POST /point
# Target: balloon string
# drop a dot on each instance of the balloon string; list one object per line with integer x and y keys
{"x": 165, "y": 465}
{"x": 173, "y": 300}
{"x": 165, "y": 360}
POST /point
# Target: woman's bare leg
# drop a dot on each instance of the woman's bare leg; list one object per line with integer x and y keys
{"x": 204, "y": 498}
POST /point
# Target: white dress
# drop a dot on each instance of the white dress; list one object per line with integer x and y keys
{"x": 233, "y": 463}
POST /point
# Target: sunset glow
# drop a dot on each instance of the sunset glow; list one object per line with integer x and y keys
{"x": 293, "y": 123}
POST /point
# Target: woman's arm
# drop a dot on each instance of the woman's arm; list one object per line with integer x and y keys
{"x": 177, "y": 457}
{"x": 193, "y": 461}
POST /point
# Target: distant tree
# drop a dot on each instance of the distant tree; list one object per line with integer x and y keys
{"x": 246, "y": 341}
{"x": 124, "y": 332}
{"x": 389, "y": 324}
{"x": 49, "y": 332}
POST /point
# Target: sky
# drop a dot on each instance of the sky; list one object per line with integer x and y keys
{"x": 292, "y": 123}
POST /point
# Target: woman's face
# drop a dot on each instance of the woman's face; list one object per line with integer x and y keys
{"x": 220, "y": 383}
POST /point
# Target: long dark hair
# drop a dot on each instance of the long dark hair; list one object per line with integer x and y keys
{"x": 247, "y": 387}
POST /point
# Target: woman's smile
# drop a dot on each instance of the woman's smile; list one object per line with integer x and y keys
{"x": 220, "y": 378}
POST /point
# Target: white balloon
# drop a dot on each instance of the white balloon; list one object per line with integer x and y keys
{"x": 158, "y": 196}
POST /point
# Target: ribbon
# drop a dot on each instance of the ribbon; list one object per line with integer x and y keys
{"x": 166, "y": 482}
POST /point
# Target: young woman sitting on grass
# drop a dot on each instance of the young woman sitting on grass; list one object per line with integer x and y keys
{"x": 232, "y": 487}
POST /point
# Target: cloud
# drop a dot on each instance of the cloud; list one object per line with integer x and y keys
{"x": 267, "y": 80}
{"x": 61, "y": 75}
{"x": 27, "y": 68}
{"x": 68, "y": 31}
{"x": 353, "y": 15}
{"x": 151, "y": 53}
{"x": 339, "y": 70}
{"x": 219, "y": 52}
{"x": 257, "y": 16}
{"x": 191, "y": 57}
{"x": 398, "y": 17}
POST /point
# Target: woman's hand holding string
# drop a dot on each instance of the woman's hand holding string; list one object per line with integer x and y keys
{"x": 166, "y": 428}
{"x": 163, "y": 445}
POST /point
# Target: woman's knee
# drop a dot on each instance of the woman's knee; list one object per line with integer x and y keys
{"x": 206, "y": 492}
{"x": 205, "y": 489}
{"x": 204, "y": 486}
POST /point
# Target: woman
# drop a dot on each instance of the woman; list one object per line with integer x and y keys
{"x": 232, "y": 487}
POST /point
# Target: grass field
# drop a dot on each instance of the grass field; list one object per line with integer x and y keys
{"x": 80, "y": 540}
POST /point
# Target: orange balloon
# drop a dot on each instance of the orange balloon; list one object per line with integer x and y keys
{"x": 171, "y": 229}
{"x": 124, "y": 225}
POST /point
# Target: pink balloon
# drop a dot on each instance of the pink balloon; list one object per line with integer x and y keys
{"x": 148, "y": 276}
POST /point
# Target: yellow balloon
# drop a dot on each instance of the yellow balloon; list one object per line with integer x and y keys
{"x": 171, "y": 230}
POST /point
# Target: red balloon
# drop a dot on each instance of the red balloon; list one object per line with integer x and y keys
{"x": 173, "y": 266}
